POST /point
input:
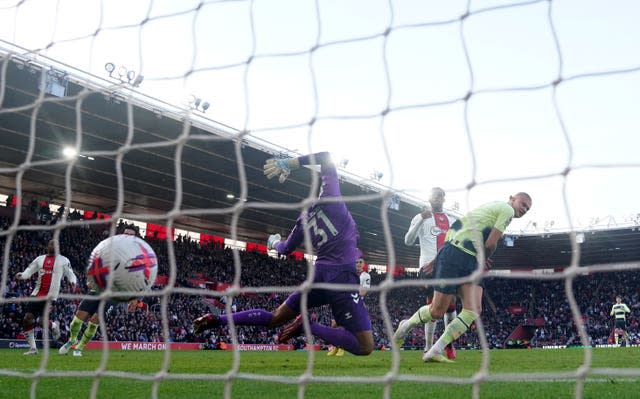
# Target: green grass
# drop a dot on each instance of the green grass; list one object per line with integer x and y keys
{"x": 293, "y": 364}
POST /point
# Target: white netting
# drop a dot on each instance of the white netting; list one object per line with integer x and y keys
{"x": 304, "y": 74}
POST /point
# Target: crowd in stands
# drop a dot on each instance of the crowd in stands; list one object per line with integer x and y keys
{"x": 203, "y": 268}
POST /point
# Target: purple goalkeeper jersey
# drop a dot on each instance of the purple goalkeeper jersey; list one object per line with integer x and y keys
{"x": 333, "y": 231}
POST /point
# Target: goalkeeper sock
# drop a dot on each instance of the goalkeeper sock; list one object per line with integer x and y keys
{"x": 74, "y": 328}
{"x": 89, "y": 333}
{"x": 429, "y": 330}
{"x": 423, "y": 315}
{"x": 455, "y": 329}
{"x": 338, "y": 337}
{"x": 253, "y": 317}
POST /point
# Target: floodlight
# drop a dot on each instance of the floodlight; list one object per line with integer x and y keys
{"x": 110, "y": 67}
{"x": 230, "y": 196}
{"x": 137, "y": 81}
{"x": 131, "y": 75}
{"x": 55, "y": 83}
{"x": 122, "y": 71}
{"x": 205, "y": 106}
{"x": 69, "y": 152}
{"x": 197, "y": 102}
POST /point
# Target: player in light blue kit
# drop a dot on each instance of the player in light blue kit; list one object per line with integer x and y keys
{"x": 334, "y": 236}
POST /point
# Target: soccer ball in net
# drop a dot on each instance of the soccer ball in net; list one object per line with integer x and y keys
{"x": 127, "y": 260}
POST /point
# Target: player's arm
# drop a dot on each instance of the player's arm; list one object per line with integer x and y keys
{"x": 71, "y": 276}
{"x": 491, "y": 243}
{"x": 328, "y": 172}
{"x": 504, "y": 217}
{"x": 613, "y": 308}
{"x": 29, "y": 271}
{"x": 626, "y": 308}
{"x": 293, "y": 240}
{"x": 282, "y": 167}
{"x": 416, "y": 223}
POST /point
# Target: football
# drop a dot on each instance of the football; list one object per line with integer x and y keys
{"x": 125, "y": 262}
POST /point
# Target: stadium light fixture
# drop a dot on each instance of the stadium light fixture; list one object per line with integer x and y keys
{"x": 198, "y": 104}
{"x": 231, "y": 196}
{"x": 125, "y": 75}
{"x": 69, "y": 152}
{"x": 137, "y": 81}
{"x": 110, "y": 67}
{"x": 343, "y": 163}
{"x": 394, "y": 202}
{"x": 55, "y": 83}
{"x": 122, "y": 72}
{"x": 508, "y": 241}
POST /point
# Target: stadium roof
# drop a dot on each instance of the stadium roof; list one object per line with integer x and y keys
{"x": 208, "y": 160}
{"x": 207, "y": 157}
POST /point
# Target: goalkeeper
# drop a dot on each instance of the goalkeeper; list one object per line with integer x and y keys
{"x": 334, "y": 236}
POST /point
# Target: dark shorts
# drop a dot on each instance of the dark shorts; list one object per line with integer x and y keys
{"x": 36, "y": 308}
{"x": 347, "y": 307}
{"x": 91, "y": 306}
{"x": 452, "y": 262}
{"x": 621, "y": 323}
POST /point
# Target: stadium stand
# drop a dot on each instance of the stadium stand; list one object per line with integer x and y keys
{"x": 511, "y": 304}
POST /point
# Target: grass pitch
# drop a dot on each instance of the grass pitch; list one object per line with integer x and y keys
{"x": 189, "y": 372}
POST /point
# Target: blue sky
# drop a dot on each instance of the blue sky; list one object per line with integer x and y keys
{"x": 253, "y": 60}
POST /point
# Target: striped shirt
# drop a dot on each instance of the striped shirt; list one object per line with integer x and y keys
{"x": 50, "y": 270}
{"x": 430, "y": 232}
{"x": 620, "y": 310}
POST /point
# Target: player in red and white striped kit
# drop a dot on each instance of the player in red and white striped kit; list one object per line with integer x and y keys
{"x": 50, "y": 269}
{"x": 430, "y": 228}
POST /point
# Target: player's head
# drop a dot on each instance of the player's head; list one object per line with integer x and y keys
{"x": 437, "y": 199}
{"x": 521, "y": 203}
{"x": 360, "y": 265}
{"x": 618, "y": 298}
{"x": 51, "y": 247}
{"x": 129, "y": 232}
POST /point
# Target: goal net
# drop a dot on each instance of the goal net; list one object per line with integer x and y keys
{"x": 158, "y": 116}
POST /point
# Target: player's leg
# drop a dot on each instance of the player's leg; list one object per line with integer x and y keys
{"x": 355, "y": 332}
{"x": 449, "y": 316}
{"x": 29, "y": 324}
{"x": 625, "y": 333}
{"x": 471, "y": 307}
{"x": 429, "y": 328}
{"x": 442, "y": 269}
{"x": 425, "y": 314}
{"x": 333, "y": 350}
{"x": 86, "y": 308}
{"x": 253, "y": 317}
{"x": 89, "y": 333}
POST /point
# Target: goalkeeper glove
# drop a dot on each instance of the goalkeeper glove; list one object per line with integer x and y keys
{"x": 273, "y": 239}
{"x": 280, "y": 167}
